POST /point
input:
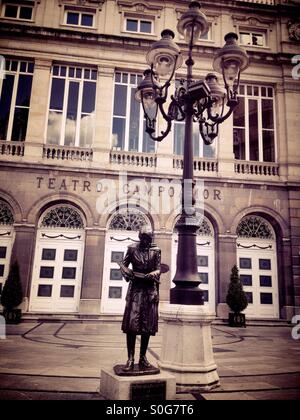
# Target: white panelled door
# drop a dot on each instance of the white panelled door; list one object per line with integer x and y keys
{"x": 206, "y": 267}
{"x": 114, "y": 286}
{"x": 57, "y": 271}
{"x": 6, "y": 242}
{"x": 258, "y": 273}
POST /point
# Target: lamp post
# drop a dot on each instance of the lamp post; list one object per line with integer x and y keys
{"x": 204, "y": 101}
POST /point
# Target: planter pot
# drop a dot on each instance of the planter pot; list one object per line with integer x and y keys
{"x": 12, "y": 316}
{"x": 237, "y": 320}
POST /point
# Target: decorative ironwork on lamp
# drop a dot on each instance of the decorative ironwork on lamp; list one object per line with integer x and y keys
{"x": 203, "y": 101}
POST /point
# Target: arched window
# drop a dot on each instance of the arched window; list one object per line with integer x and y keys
{"x": 255, "y": 227}
{"x": 6, "y": 216}
{"x": 129, "y": 220}
{"x": 206, "y": 228}
{"x": 63, "y": 217}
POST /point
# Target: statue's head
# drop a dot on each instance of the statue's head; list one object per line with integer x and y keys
{"x": 146, "y": 237}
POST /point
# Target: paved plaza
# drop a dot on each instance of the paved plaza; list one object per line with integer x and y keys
{"x": 63, "y": 360}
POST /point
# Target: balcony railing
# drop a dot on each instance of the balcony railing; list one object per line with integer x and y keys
{"x": 67, "y": 153}
{"x": 146, "y": 160}
{"x": 12, "y": 148}
{"x": 256, "y": 168}
{"x": 271, "y": 2}
{"x": 200, "y": 165}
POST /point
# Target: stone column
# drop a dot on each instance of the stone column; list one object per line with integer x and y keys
{"x": 36, "y": 129}
{"x": 294, "y": 201}
{"x": 290, "y": 283}
{"x": 92, "y": 277}
{"x": 104, "y": 112}
{"x": 23, "y": 253}
{"x": 226, "y": 260}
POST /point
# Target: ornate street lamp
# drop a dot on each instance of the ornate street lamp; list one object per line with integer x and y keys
{"x": 202, "y": 101}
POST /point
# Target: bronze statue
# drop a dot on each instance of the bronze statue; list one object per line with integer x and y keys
{"x": 141, "y": 311}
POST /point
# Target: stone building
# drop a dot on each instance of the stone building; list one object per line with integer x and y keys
{"x": 79, "y": 176}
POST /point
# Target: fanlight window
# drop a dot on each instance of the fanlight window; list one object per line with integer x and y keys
{"x": 6, "y": 216}
{"x": 63, "y": 217}
{"x": 205, "y": 229}
{"x": 254, "y": 227}
{"x": 129, "y": 220}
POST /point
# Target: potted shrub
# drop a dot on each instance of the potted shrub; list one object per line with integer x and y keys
{"x": 12, "y": 295}
{"x": 236, "y": 300}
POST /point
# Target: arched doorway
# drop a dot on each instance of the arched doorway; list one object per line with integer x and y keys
{"x": 123, "y": 230}
{"x": 206, "y": 261}
{"x": 6, "y": 241}
{"x": 257, "y": 262}
{"x": 58, "y": 262}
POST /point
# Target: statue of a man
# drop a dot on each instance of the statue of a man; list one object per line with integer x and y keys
{"x": 141, "y": 311}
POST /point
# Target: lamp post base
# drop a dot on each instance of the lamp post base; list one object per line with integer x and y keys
{"x": 187, "y": 351}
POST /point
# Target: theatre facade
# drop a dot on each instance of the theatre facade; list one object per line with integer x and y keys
{"x": 79, "y": 177}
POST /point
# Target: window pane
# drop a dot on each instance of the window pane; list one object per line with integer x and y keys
{"x": 115, "y": 274}
{"x": 1, "y": 287}
{"x": 79, "y": 73}
{"x": 5, "y": 103}
{"x": 2, "y": 270}
{"x": 239, "y": 145}
{"x": 26, "y": 13}
{"x": 258, "y": 39}
{"x": 3, "y": 251}
{"x": 266, "y": 298}
{"x": 11, "y": 11}
{"x": 70, "y": 255}
{"x": 94, "y": 74}
{"x": 134, "y": 125}
{"x": 87, "y": 20}
{"x": 71, "y": 120}
{"x": 148, "y": 143}
{"x": 245, "y": 38}
{"x": 87, "y": 125}
{"x": 268, "y": 146}
{"x": 196, "y": 140}
{"x": 67, "y": 291}
{"x": 118, "y": 78}
{"x": 245, "y": 263}
{"x": 87, "y": 74}
{"x": 71, "y": 72}
{"x": 203, "y": 278}
{"x": 146, "y": 27}
{"x": 115, "y": 293}
{"x": 23, "y": 67}
{"x": 89, "y": 97}
{"x": 120, "y": 101}
{"x": 178, "y": 138}
{"x": 57, "y": 94}
{"x": 20, "y": 124}
{"x": 24, "y": 90}
{"x": 249, "y": 296}
{"x": 69, "y": 273}
{"x": 72, "y": 18}
{"x": 263, "y": 91}
{"x": 239, "y": 114}
{"x": 117, "y": 256}
{"x": 119, "y": 133}
{"x": 49, "y": 254}
{"x": 265, "y": 281}
{"x": 46, "y": 272}
{"x": 14, "y": 66}
{"x": 44, "y": 290}
{"x": 267, "y": 114}
{"x": 253, "y": 130}
{"x": 246, "y": 280}
{"x": 205, "y": 295}
{"x": 54, "y": 127}
{"x": 202, "y": 261}
{"x": 209, "y": 150}
{"x": 264, "y": 264}
{"x": 131, "y": 25}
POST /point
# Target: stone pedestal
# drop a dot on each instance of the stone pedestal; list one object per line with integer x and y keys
{"x": 187, "y": 351}
{"x": 142, "y": 388}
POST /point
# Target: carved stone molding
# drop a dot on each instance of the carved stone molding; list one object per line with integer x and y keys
{"x": 294, "y": 30}
{"x": 94, "y": 3}
{"x": 139, "y": 7}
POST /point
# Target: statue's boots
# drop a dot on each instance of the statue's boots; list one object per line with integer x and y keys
{"x": 143, "y": 363}
{"x": 129, "y": 365}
